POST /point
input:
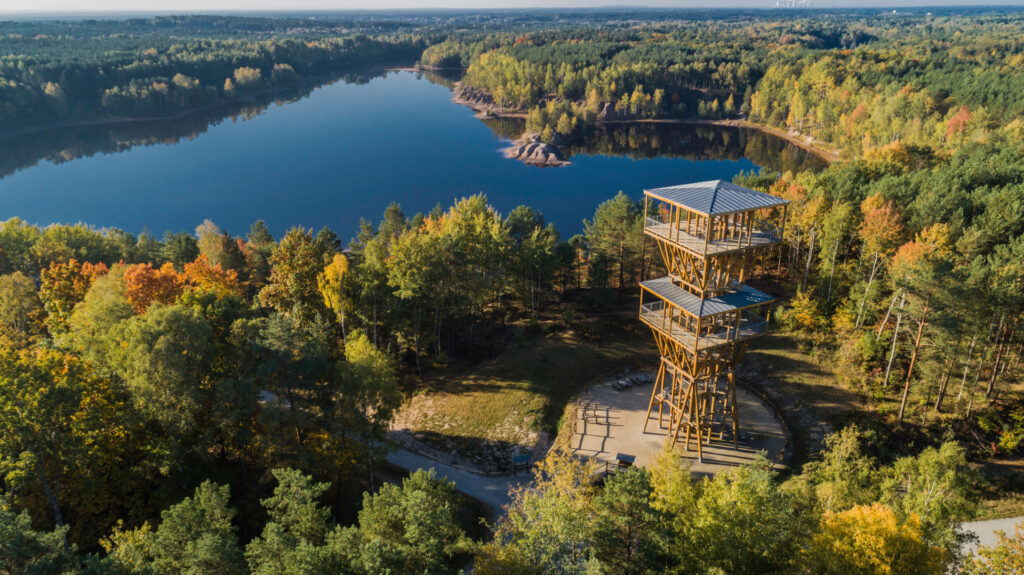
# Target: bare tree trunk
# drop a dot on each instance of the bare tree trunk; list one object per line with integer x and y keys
{"x": 867, "y": 290}
{"x": 437, "y": 332}
{"x": 622, "y": 265}
{"x": 913, "y": 360}
{"x": 895, "y": 335}
{"x": 416, "y": 337}
{"x": 974, "y": 388}
{"x": 981, "y": 364}
{"x": 945, "y": 381}
{"x": 999, "y": 355}
{"x": 885, "y": 320}
{"x": 967, "y": 368}
{"x": 53, "y": 496}
{"x": 794, "y": 258}
{"x": 810, "y": 255}
{"x": 369, "y": 456}
{"x": 831, "y": 272}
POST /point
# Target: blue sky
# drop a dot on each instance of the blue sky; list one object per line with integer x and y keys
{"x": 260, "y": 5}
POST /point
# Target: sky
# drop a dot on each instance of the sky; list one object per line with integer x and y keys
{"x": 10, "y": 6}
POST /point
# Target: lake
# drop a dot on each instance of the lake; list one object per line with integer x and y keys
{"x": 330, "y": 154}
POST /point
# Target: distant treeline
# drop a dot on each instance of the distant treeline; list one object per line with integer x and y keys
{"x": 57, "y": 72}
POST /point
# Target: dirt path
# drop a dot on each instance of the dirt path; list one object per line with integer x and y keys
{"x": 491, "y": 490}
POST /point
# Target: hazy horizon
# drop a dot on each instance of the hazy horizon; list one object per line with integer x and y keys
{"x": 207, "y": 6}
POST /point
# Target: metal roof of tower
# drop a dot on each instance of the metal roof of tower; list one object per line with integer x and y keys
{"x": 716, "y": 197}
{"x": 742, "y": 298}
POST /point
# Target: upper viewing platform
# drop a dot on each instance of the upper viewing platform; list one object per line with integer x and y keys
{"x": 714, "y": 217}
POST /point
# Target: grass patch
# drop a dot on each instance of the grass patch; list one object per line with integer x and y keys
{"x": 500, "y": 408}
{"x": 1003, "y": 488}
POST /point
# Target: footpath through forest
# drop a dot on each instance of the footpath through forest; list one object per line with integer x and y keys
{"x": 986, "y": 530}
{"x": 491, "y": 490}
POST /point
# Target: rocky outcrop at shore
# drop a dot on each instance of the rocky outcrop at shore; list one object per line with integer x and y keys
{"x": 608, "y": 113}
{"x": 478, "y": 100}
{"x": 531, "y": 150}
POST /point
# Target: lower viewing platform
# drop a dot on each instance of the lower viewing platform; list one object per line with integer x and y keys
{"x": 699, "y": 324}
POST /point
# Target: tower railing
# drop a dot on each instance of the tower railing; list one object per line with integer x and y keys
{"x": 692, "y": 237}
{"x": 659, "y": 315}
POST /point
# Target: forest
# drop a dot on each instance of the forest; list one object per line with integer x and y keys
{"x": 204, "y": 402}
{"x": 62, "y": 72}
{"x": 850, "y": 83}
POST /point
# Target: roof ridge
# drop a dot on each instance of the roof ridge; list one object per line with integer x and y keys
{"x": 714, "y": 197}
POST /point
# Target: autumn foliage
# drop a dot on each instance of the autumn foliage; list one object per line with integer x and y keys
{"x": 63, "y": 286}
{"x": 958, "y": 122}
{"x": 882, "y": 225}
{"x": 144, "y": 284}
{"x": 872, "y": 539}
{"x": 202, "y": 276}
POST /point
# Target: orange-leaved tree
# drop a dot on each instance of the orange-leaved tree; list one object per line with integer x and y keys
{"x": 879, "y": 232}
{"x": 144, "y": 284}
{"x": 200, "y": 275}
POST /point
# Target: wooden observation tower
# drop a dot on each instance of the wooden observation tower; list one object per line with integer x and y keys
{"x": 702, "y": 315}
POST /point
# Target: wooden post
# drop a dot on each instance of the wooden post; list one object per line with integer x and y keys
{"x": 735, "y": 412}
{"x": 658, "y": 382}
{"x": 707, "y": 235}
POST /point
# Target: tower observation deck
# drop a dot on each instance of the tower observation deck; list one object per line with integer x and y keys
{"x": 701, "y": 314}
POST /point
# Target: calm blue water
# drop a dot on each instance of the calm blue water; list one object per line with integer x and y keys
{"x": 343, "y": 152}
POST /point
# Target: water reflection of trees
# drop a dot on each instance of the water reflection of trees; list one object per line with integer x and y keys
{"x": 695, "y": 142}
{"x": 63, "y": 144}
{"x": 507, "y": 128}
{"x": 444, "y": 77}
{"x": 691, "y": 142}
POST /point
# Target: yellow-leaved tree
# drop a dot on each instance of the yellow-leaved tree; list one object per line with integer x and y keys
{"x": 330, "y": 282}
{"x": 872, "y": 539}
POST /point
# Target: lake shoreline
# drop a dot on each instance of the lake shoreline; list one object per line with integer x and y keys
{"x": 486, "y": 110}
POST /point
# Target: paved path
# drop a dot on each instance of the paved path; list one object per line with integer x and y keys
{"x": 492, "y": 490}
{"x": 986, "y": 530}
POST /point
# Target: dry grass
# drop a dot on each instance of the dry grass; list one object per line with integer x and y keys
{"x": 505, "y": 405}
